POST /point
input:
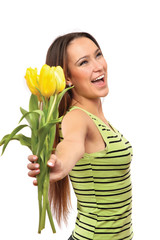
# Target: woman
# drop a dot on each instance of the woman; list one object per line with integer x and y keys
{"x": 88, "y": 148}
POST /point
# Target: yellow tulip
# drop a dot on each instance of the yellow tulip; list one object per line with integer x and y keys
{"x": 32, "y": 80}
{"x": 47, "y": 81}
{"x": 60, "y": 79}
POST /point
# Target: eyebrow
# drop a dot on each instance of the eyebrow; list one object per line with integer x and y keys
{"x": 86, "y": 56}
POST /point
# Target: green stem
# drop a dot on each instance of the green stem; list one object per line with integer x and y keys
{"x": 51, "y": 110}
{"x": 50, "y": 217}
{"x": 43, "y": 179}
{"x": 40, "y": 206}
{"x": 45, "y": 197}
{"x": 40, "y": 178}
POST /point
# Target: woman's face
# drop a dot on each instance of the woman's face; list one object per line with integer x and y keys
{"x": 87, "y": 69}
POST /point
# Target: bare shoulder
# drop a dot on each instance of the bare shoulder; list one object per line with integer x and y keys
{"x": 76, "y": 114}
{"x": 75, "y": 123}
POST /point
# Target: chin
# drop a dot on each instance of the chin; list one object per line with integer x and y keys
{"x": 105, "y": 92}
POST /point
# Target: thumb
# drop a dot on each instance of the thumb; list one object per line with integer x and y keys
{"x": 51, "y": 162}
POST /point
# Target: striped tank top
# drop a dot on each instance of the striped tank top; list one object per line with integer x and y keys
{"x": 102, "y": 185}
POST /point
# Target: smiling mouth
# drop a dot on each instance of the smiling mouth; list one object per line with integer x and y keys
{"x": 98, "y": 80}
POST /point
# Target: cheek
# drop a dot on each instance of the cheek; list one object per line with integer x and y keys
{"x": 80, "y": 76}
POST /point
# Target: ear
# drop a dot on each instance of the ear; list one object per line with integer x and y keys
{"x": 68, "y": 82}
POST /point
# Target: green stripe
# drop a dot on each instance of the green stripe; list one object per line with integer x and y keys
{"x": 101, "y": 182}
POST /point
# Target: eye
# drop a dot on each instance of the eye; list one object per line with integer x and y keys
{"x": 99, "y": 54}
{"x": 83, "y": 62}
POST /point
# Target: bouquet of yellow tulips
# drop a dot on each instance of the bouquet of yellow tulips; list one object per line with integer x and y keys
{"x": 47, "y": 90}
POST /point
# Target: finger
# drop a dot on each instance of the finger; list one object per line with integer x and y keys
{"x": 33, "y": 173}
{"x": 53, "y": 157}
{"x": 35, "y": 182}
{"x": 33, "y": 166}
{"x": 51, "y": 162}
{"x": 32, "y": 158}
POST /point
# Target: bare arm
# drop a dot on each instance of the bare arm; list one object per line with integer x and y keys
{"x": 70, "y": 150}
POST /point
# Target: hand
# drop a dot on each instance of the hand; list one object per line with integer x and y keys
{"x": 53, "y": 163}
{"x": 56, "y": 168}
{"x": 33, "y": 167}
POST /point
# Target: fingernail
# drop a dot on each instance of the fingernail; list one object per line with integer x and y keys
{"x": 50, "y": 164}
{"x": 37, "y": 166}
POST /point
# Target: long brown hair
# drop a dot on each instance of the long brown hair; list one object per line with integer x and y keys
{"x": 59, "y": 192}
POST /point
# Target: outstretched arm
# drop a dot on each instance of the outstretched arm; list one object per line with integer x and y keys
{"x": 69, "y": 151}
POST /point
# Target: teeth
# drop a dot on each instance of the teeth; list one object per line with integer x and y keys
{"x": 98, "y": 78}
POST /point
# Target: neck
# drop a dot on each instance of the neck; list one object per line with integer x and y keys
{"x": 93, "y": 106}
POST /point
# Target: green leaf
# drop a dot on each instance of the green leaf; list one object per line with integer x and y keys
{"x": 40, "y": 112}
{"x": 11, "y": 135}
{"x": 45, "y": 102}
{"x": 33, "y": 120}
{"x": 34, "y": 141}
{"x": 59, "y": 97}
{"x": 34, "y": 123}
{"x": 42, "y": 133}
{"x": 3, "y": 139}
{"x": 52, "y": 137}
{"x": 26, "y": 141}
{"x": 23, "y": 111}
{"x": 33, "y": 103}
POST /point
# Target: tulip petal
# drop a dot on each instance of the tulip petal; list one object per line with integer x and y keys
{"x": 60, "y": 79}
{"x": 47, "y": 82}
{"x": 32, "y": 80}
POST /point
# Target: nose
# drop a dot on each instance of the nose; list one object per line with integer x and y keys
{"x": 97, "y": 66}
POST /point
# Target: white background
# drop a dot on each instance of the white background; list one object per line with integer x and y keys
{"x": 128, "y": 33}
